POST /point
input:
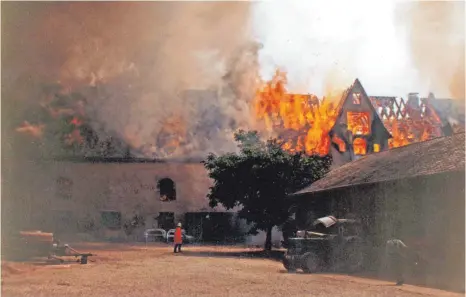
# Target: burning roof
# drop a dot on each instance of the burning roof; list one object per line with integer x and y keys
{"x": 408, "y": 121}
{"x": 303, "y": 123}
{"x": 306, "y": 123}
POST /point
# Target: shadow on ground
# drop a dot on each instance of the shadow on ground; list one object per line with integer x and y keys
{"x": 272, "y": 255}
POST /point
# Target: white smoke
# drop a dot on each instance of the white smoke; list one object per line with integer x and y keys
{"x": 333, "y": 42}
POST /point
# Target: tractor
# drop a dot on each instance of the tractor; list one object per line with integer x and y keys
{"x": 331, "y": 245}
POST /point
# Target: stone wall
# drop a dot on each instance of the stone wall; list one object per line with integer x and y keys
{"x": 43, "y": 195}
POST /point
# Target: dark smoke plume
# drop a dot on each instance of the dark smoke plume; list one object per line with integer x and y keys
{"x": 161, "y": 79}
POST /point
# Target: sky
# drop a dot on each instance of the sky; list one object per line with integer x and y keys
{"x": 143, "y": 55}
{"x": 327, "y": 44}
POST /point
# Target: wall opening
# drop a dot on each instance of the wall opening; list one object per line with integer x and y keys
{"x": 166, "y": 220}
{"x": 167, "y": 189}
{"x": 357, "y": 98}
{"x": 359, "y": 146}
{"x": 359, "y": 123}
{"x": 111, "y": 219}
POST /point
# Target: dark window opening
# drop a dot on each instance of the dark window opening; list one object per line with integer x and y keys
{"x": 64, "y": 188}
{"x": 167, "y": 190}
{"x": 166, "y": 220}
{"x": 111, "y": 219}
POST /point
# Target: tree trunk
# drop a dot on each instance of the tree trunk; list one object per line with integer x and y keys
{"x": 268, "y": 239}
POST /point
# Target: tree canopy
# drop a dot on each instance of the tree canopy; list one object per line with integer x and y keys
{"x": 259, "y": 178}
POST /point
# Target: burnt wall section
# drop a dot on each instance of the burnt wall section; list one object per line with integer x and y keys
{"x": 426, "y": 212}
{"x": 358, "y": 129}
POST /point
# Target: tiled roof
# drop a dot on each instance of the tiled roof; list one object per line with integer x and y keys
{"x": 443, "y": 154}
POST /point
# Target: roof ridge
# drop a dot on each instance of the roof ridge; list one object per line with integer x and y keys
{"x": 372, "y": 182}
{"x": 436, "y": 155}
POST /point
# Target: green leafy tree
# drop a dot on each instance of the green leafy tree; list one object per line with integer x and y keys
{"x": 259, "y": 178}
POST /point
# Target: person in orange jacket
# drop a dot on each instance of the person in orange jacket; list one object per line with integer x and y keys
{"x": 178, "y": 239}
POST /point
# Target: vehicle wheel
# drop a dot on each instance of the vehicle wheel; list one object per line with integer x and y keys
{"x": 310, "y": 263}
{"x": 289, "y": 265}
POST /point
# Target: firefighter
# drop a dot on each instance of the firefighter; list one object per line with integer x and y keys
{"x": 396, "y": 250}
{"x": 178, "y": 239}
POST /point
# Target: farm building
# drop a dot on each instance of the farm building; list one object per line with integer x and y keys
{"x": 367, "y": 124}
{"x": 415, "y": 193}
{"x": 351, "y": 124}
{"x": 100, "y": 196}
{"x": 104, "y": 194}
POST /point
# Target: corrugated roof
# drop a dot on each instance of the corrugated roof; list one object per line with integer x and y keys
{"x": 443, "y": 154}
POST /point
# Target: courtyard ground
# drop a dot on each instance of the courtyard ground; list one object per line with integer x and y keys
{"x": 134, "y": 270}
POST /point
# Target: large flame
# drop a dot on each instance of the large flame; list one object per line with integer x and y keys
{"x": 303, "y": 122}
{"x": 405, "y": 132}
{"x": 414, "y": 127}
{"x": 63, "y": 117}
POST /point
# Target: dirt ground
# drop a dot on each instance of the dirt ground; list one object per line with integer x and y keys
{"x": 134, "y": 270}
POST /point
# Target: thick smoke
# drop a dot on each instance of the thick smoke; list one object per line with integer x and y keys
{"x": 175, "y": 79}
{"x": 136, "y": 65}
{"x": 393, "y": 47}
{"x": 436, "y": 40}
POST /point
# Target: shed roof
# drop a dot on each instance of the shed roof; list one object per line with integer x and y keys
{"x": 443, "y": 154}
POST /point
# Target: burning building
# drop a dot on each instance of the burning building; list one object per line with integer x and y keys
{"x": 113, "y": 198}
{"x": 349, "y": 125}
{"x": 107, "y": 187}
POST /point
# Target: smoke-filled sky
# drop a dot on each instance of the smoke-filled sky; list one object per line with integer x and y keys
{"x": 393, "y": 47}
{"x": 133, "y": 60}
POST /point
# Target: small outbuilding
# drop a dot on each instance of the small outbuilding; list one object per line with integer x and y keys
{"x": 415, "y": 193}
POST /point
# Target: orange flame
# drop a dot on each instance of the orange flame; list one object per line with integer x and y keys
{"x": 341, "y": 144}
{"x": 172, "y": 134}
{"x": 37, "y": 131}
{"x": 405, "y": 132}
{"x": 284, "y": 113}
{"x": 34, "y": 130}
{"x": 359, "y": 123}
{"x": 75, "y": 136}
{"x": 77, "y": 122}
{"x": 360, "y": 146}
